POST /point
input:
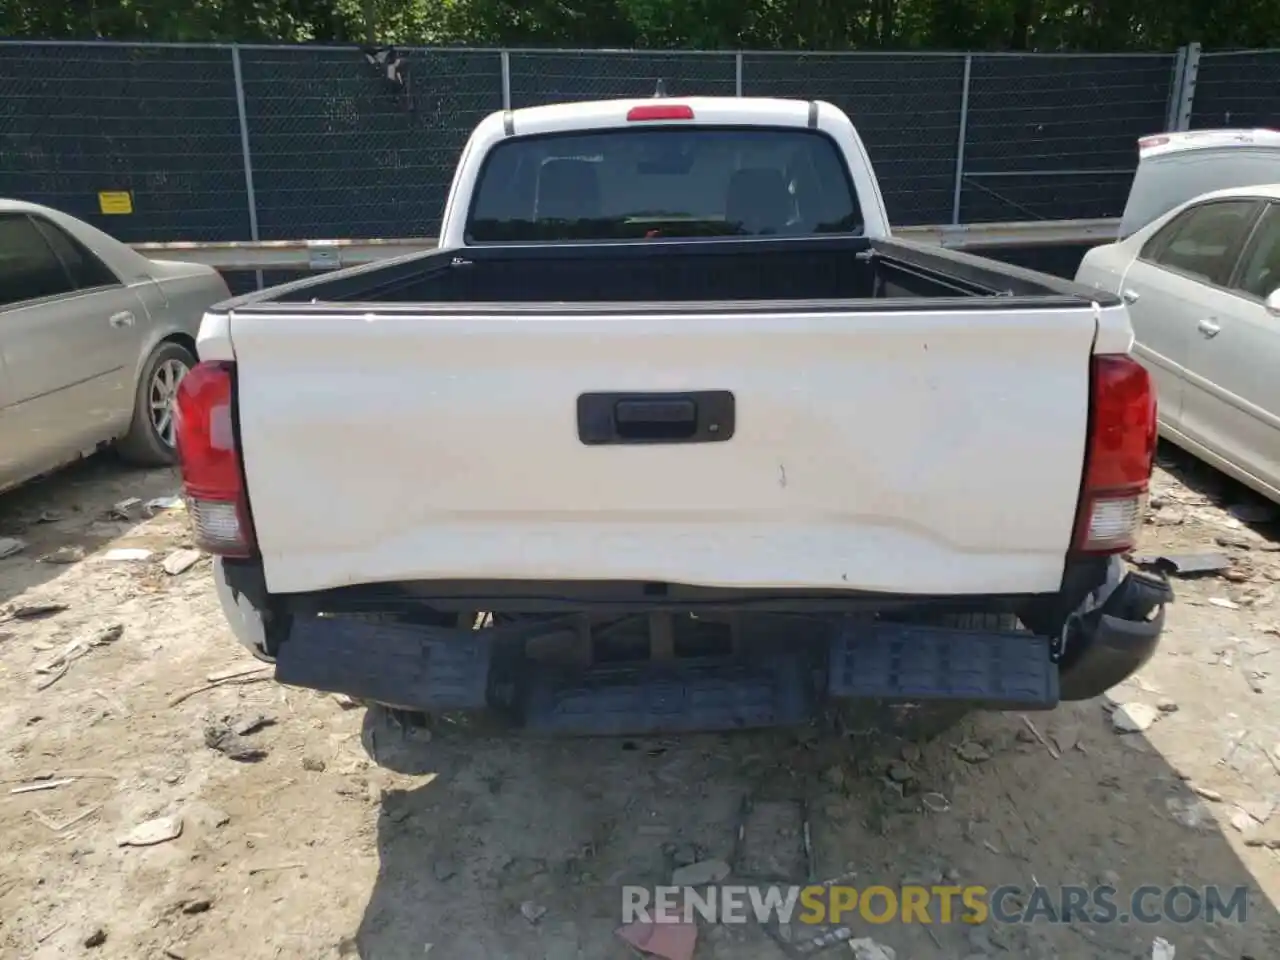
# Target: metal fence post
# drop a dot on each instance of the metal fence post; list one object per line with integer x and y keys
{"x": 506, "y": 79}
{"x": 1175, "y": 89}
{"x": 737, "y": 74}
{"x": 964, "y": 130}
{"x": 245, "y": 153}
{"x": 1186, "y": 93}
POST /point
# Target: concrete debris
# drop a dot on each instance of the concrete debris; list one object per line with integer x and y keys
{"x": 1162, "y": 949}
{"x": 157, "y": 504}
{"x": 900, "y": 772}
{"x": 971, "y": 751}
{"x": 35, "y": 611}
{"x": 867, "y": 949}
{"x": 64, "y": 555}
{"x": 125, "y": 509}
{"x": 700, "y": 874}
{"x": 126, "y": 555}
{"x": 181, "y": 561}
{"x": 1133, "y": 717}
{"x": 935, "y": 802}
{"x": 11, "y": 545}
{"x": 223, "y": 736}
{"x": 152, "y": 832}
{"x": 531, "y": 911}
{"x": 199, "y": 902}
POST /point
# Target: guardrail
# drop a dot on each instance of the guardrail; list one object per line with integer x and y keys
{"x": 331, "y": 254}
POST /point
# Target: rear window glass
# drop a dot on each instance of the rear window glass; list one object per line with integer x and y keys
{"x": 669, "y": 182}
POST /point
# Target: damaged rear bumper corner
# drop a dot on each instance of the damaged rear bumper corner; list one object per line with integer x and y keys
{"x": 1114, "y": 635}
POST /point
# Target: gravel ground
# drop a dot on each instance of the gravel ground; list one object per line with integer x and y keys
{"x": 269, "y": 833}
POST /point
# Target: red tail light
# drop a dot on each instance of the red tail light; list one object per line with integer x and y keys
{"x": 212, "y": 474}
{"x": 1119, "y": 456}
{"x": 1146, "y": 143}
{"x": 660, "y": 111}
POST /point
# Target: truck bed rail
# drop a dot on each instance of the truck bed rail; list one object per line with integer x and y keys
{"x": 331, "y": 254}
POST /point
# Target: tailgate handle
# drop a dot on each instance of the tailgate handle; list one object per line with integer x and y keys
{"x": 673, "y": 417}
{"x": 617, "y": 418}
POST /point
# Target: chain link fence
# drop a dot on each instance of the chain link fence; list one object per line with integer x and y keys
{"x": 337, "y": 152}
{"x": 1237, "y": 90}
{"x": 159, "y": 122}
{"x": 278, "y": 142}
{"x": 1055, "y": 137}
{"x": 556, "y": 76}
{"x": 906, "y": 108}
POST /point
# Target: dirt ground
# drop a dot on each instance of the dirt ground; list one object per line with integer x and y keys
{"x": 293, "y": 844}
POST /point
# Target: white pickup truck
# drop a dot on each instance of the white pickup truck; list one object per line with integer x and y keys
{"x": 671, "y": 434}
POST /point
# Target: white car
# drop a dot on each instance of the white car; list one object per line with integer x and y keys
{"x": 94, "y": 338}
{"x": 1202, "y": 284}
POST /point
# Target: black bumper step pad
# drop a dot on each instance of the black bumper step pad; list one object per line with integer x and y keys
{"x": 407, "y": 665}
{"x": 906, "y": 662}
{"x": 778, "y": 683}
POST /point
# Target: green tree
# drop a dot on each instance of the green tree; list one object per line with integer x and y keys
{"x": 1045, "y": 25}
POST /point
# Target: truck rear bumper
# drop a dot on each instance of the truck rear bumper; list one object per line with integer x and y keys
{"x": 781, "y": 669}
{"x": 1111, "y": 641}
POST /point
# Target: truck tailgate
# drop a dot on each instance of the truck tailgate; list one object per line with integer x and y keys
{"x": 897, "y": 450}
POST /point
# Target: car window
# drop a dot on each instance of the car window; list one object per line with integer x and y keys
{"x": 663, "y": 182}
{"x": 1260, "y": 271}
{"x": 85, "y": 268}
{"x": 1203, "y": 241}
{"x": 29, "y": 269}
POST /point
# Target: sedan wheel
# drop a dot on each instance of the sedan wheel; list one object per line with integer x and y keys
{"x": 161, "y": 395}
{"x": 150, "y": 441}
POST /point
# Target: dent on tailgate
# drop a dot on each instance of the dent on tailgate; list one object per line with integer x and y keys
{"x": 919, "y": 452}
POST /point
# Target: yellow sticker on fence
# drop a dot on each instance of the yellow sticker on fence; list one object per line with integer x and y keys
{"x": 115, "y": 201}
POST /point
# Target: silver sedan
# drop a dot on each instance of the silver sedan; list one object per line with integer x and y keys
{"x": 1203, "y": 287}
{"x": 94, "y": 339}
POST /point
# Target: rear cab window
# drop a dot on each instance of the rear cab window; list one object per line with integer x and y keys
{"x": 628, "y": 184}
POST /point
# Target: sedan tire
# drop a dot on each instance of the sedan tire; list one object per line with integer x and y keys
{"x": 149, "y": 442}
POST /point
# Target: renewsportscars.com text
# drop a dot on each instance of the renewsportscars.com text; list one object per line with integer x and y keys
{"x": 833, "y": 904}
